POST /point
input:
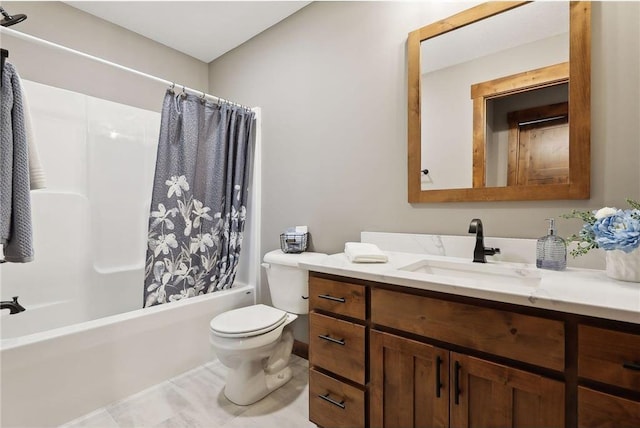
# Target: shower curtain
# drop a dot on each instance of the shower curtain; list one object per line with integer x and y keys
{"x": 198, "y": 206}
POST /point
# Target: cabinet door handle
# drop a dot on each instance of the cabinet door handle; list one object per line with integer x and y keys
{"x": 456, "y": 382}
{"x": 631, "y": 365}
{"x": 326, "y": 397}
{"x": 331, "y": 339}
{"x": 438, "y": 383}
{"x": 334, "y": 299}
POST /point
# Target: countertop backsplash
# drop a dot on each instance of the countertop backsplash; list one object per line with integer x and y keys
{"x": 515, "y": 250}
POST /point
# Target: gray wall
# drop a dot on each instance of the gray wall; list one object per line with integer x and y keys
{"x": 65, "y": 25}
{"x": 332, "y": 83}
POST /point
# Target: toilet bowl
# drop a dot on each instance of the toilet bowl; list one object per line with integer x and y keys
{"x": 255, "y": 342}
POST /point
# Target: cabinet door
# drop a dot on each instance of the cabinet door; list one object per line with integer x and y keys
{"x": 409, "y": 383}
{"x": 485, "y": 394}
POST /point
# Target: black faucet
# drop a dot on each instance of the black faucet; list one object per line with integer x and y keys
{"x": 480, "y": 252}
{"x": 13, "y": 306}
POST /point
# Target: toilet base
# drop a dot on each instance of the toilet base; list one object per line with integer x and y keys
{"x": 251, "y": 381}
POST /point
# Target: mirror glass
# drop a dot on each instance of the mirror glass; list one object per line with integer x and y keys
{"x": 492, "y": 87}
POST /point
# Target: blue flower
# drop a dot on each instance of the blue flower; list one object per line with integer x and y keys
{"x": 618, "y": 231}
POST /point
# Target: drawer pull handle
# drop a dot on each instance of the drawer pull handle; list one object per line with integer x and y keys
{"x": 438, "y": 383}
{"x": 326, "y": 397}
{"x": 331, "y": 339}
{"x": 631, "y": 365}
{"x": 456, "y": 382}
{"x": 334, "y": 299}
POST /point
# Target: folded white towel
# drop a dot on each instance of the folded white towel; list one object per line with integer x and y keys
{"x": 361, "y": 252}
{"x": 36, "y": 173}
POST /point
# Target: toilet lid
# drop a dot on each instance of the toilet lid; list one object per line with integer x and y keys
{"x": 247, "y": 321}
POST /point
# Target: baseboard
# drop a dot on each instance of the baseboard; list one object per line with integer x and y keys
{"x": 301, "y": 349}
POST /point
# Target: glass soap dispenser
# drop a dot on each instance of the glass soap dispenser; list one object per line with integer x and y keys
{"x": 551, "y": 250}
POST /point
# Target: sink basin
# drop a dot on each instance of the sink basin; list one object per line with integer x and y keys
{"x": 508, "y": 274}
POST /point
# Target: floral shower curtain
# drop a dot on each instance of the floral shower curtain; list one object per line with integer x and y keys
{"x": 199, "y": 198}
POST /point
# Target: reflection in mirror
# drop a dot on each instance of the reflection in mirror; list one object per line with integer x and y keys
{"x": 489, "y": 104}
{"x": 527, "y": 138}
{"x": 504, "y": 44}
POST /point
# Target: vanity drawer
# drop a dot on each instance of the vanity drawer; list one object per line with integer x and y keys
{"x": 333, "y": 403}
{"x": 337, "y": 346}
{"x": 520, "y": 337}
{"x": 597, "y": 409}
{"x": 337, "y": 297}
{"x": 609, "y": 356}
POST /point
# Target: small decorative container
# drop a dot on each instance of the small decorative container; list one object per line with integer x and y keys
{"x": 623, "y": 266}
{"x": 293, "y": 242}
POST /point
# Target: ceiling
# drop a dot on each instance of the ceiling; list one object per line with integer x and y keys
{"x": 203, "y": 29}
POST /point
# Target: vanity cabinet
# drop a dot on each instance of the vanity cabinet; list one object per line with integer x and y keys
{"x": 384, "y": 355}
{"x": 608, "y": 360}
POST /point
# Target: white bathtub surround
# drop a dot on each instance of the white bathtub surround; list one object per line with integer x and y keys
{"x": 196, "y": 399}
{"x": 575, "y": 290}
{"x": 98, "y": 155}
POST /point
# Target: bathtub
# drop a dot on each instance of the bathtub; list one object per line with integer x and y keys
{"x": 52, "y": 377}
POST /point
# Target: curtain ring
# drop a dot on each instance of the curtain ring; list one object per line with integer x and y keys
{"x": 202, "y": 98}
{"x": 184, "y": 92}
{"x": 173, "y": 85}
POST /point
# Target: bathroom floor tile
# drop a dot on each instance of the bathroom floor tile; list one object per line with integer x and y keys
{"x": 98, "y": 419}
{"x": 148, "y": 408}
{"x": 196, "y": 399}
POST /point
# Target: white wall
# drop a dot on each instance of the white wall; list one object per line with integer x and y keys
{"x": 68, "y": 26}
{"x": 332, "y": 83}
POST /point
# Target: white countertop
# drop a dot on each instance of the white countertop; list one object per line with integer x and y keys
{"x": 579, "y": 291}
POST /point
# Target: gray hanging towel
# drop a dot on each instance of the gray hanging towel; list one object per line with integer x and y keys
{"x": 198, "y": 206}
{"x": 15, "y": 201}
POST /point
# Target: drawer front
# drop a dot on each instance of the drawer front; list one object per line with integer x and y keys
{"x": 597, "y": 409}
{"x": 333, "y": 403}
{"x": 337, "y": 346}
{"x": 609, "y": 356}
{"x": 520, "y": 337}
{"x": 337, "y": 297}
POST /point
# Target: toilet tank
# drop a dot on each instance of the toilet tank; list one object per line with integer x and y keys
{"x": 289, "y": 284}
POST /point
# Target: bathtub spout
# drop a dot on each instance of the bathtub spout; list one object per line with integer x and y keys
{"x": 13, "y": 306}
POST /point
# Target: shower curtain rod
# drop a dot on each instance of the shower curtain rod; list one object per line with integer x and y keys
{"x": 186, "y": 89}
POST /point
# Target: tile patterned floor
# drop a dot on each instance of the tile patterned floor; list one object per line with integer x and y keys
{"x": 195, "y": 399}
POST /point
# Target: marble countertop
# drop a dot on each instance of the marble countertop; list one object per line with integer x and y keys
{"x": 579, "y": 291}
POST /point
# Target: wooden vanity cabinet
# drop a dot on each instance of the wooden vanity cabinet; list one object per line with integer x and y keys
{"x": 416, "y": 358}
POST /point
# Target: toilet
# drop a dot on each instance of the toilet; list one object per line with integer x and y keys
{"x": 255, "y": 342}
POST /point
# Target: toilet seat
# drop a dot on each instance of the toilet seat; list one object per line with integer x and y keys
{"x": 248, "y": 321}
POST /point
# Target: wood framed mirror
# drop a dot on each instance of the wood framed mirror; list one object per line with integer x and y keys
{"x": 528, "y": 170}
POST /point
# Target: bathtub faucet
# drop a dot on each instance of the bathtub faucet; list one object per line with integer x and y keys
{"x": 13, "y": 306}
